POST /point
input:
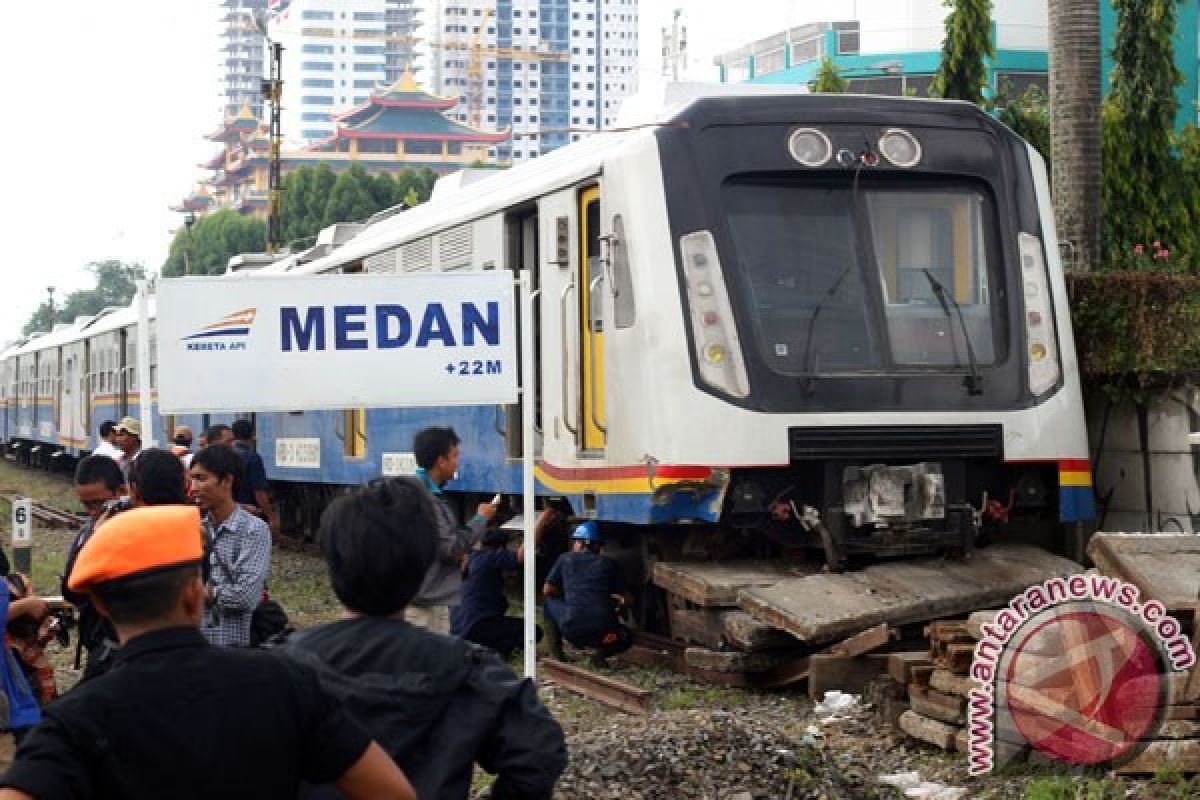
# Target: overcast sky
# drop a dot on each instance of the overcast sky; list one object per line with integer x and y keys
{"x": 108, "y": 103}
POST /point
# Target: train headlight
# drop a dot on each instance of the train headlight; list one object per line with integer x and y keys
{"x": 810, "y": 147}
{"x": 1044, "y": 369}
{"x": 715, "y": 340}
{"x": 900, "y": 148}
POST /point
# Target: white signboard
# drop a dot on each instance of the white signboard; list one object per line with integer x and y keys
{"x": 309, "y": 342}
{"x": 22, "y": 522}
{"x": 298, "y": 453}
{"x": 399, "y": 464}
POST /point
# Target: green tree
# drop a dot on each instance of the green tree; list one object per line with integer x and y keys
{"x": 115, "y": 284}
{"x": 829, "y": 78}
{"x": 214, "y": 239}
{"x": 1028, "y": 114}
{"x": 317, "y": 197}
{"x": 1141, "y": 191}
{"x": 350, "y": 199}
{"x": 385, "y": 192}
{"x": 295, "y": 188}
{"x": 961, "y": 74}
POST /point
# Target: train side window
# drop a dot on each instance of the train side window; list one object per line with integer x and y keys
{"x": 624, "y": 311}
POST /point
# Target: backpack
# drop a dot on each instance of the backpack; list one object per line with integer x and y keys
{"x": 269, "y": 622}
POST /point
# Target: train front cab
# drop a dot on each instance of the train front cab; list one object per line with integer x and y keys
{"x": 876, "y": 324}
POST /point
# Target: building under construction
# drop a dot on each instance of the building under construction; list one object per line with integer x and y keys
{"x": 336, "y": 54}
{"x": 549, "y": 70}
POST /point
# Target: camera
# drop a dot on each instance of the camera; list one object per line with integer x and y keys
{"x": 118, "y": 505}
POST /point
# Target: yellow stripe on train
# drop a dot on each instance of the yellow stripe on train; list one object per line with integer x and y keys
{"x": 1074, "y": 479}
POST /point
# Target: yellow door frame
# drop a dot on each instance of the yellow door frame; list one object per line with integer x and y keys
{"x": 591, "y": 342}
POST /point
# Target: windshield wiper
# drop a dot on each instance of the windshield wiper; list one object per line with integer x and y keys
{"x": 974, "y": 380}
{"x": 812, "y": 324}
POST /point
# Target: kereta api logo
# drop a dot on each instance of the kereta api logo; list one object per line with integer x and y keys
{"x": 229, "y": 333}
{"x": 1074, "y": 668}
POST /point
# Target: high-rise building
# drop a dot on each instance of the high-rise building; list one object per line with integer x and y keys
{"x": 401, "y": 26}
{"x": 548, "y": 70}
{"x": 336, "y": 54}
{"x": 242, "y": 54}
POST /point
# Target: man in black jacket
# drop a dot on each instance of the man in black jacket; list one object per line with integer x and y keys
{"x": 156, "y": 478}
{"x": 177, "y": 717}
{"x": 437, "y": 704}
{"x": 98, "y": 482}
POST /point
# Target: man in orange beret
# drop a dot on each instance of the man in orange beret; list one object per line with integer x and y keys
{"x": 177, "y": 717}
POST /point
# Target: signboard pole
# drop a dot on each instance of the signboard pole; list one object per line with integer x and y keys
{"x": 528, "y": 445}
{"x": 145, "y": 417}
{"x": 22, "y": 535}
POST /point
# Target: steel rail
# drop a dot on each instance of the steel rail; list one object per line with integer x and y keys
{"x": 604, "y": 690}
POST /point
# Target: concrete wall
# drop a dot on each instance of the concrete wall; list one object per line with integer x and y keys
{"x": 1174, "y": 463}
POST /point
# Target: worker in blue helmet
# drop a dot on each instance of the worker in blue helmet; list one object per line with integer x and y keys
{"x": 584, "y": 591}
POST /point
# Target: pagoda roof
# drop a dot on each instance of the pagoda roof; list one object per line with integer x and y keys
{"x": 216, "y": 162}
{"x": 199, "y": 200}
{"x": 409, "y": 124}
{"x": 404, "y": 93}
{"x": 236, "y": 126}
{"x": 405, "y": 111}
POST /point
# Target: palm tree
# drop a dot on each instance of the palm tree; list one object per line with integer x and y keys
{"x": 1075, "y": 83}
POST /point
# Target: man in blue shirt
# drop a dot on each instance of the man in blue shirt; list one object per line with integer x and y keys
{"x": 583, "y": 592}
{"x": 253, "y": 493}
{"x": 480, "y": 616}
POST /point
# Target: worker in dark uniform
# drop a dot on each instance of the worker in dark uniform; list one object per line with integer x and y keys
{"x": 583, "y": 592}
{"x": 482, "y": 613}
{"x": 177, "y": 717}
{"x": 439, "y": 705}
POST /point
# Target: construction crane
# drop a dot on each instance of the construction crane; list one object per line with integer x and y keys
{"x": 475, "y": 70}
{"x": 475, "y": 73}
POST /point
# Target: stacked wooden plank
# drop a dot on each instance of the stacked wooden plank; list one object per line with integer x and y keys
{"x": 1164, "y": 567}
{"x": 938, "y": 685}
{"x": 764, "y": 623}
{"x": 723, "y": 644}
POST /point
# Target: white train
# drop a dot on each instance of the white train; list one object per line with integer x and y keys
{"x": 818, "y": 320}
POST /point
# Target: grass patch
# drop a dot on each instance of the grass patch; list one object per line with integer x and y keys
{"x": 688, "y": 697}
{"x": 1066, "y": 787}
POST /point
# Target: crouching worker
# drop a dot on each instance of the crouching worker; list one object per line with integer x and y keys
{"x": 437, "y": 704}
{"x": 177, "y": 717}
{"x": 583, "y": 592}
{"x": 481, "y": 615}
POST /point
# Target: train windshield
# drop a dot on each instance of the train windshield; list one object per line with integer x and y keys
{"x": 868, "y": 279}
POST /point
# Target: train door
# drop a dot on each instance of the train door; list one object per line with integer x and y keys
{"x": 67, "y": 394}
{"x": 591, "y": 332}
{"x": 36, "y": 399}
{"x": 58, "y": 388}
{"x": 87, "y": 383}
{"x": 124, "y": 369}
{"x": 521, "y": 253}
{"x": 72, "y": 425}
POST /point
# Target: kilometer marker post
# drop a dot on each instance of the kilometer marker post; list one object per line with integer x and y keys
{"x": 22, "y": 535}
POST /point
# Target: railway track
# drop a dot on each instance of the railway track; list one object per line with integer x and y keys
{"x": 604, "y": 690}
{"x": 49, "y": 514}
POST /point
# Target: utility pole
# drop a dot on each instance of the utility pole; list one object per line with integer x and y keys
{"x": 272, "y": 89}
{"x": 188, "y": 222}
{"x": 50, "y": 302}
{"x": 674, "y": 47}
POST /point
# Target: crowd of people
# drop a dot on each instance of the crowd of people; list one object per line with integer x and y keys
{"x": 402, "y": 697}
